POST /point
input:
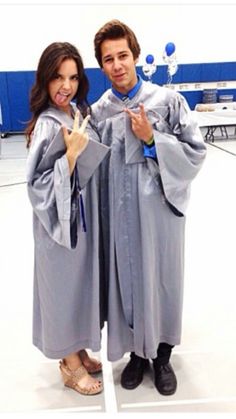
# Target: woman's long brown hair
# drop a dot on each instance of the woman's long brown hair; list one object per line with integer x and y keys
{"x": 48, "y": 65}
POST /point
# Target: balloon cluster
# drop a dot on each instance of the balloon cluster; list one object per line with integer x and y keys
{"x": 149, "y": 68}
{"x": 169, "y": 57}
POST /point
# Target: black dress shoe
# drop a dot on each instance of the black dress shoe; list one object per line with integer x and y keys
{"x": 164, "y": 378}
{"x": 132, "y": 375}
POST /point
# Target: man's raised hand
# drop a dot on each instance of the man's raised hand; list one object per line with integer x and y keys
{"x": 140, "y": 124}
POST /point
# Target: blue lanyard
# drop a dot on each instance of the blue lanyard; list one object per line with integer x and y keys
{"x": 81, "y": 202}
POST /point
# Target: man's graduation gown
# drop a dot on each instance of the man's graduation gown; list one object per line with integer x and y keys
{"x": 143, "y": 213}
{"x": 66, "y": 306}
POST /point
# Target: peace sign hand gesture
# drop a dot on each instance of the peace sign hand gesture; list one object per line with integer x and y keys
{"x": 140, "y": 124}
{"x": 76, "y": 141}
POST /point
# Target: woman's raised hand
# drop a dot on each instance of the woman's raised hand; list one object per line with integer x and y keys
{"x": 76, "y": 141}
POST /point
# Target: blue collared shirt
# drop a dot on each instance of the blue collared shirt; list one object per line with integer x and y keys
{"x": 132, "y": 92}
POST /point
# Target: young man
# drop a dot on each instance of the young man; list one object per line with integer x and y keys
{"x": 156, "y": 152}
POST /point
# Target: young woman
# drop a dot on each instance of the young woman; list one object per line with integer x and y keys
{"x": 62, "y": 180}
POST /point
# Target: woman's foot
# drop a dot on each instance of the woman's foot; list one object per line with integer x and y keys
{"x": 92, "y": 365}
{"x": 80, "y": 380}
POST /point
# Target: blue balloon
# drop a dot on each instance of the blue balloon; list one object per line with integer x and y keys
{"x": 170, "y": 48}
{"x": 149, "y": 59}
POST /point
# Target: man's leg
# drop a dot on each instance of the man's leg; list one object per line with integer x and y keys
{"x": 164, "y": 376}
{"x": 132, "y": 375}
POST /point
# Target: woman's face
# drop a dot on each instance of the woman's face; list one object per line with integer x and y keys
{"x": 64, "y": 86}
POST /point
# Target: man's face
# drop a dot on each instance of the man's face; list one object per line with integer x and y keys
{"x": 118, "y": 64}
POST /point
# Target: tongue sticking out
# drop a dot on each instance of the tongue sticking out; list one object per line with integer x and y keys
{"x": 60, "y": 99}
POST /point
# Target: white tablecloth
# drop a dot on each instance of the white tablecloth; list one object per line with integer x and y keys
{"x": 215, "y": 118}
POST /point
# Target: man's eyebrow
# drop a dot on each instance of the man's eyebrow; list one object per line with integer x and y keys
{"x": 118, "y": 53}
{"x": 107, "y": 56}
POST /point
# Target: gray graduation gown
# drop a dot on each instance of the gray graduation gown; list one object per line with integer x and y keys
{"x": 145, "y": 202}
{"x": 66, "y": 312}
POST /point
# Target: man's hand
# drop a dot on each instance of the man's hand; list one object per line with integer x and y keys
{"x": 140, "y": 124}
{"x": 76, "y": 141}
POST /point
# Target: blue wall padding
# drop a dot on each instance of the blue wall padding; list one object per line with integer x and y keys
{"x": 96, "y": 83}
{"x": 190, "y": 73}
{"x": 228, "y": 71}
{"x": 193, "y": 97}
{"x": 15, "y": 87}
{"x": 18, "y": 96}
{"x": 210, "y": 72}
{"x": 4, "y": 103}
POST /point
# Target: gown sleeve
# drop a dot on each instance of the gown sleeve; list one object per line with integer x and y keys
{"x": 49, "y": 187}
{"x": 180, "y": 152}
{"x": 91, "y": 157}
{"x": 56, "y": 196}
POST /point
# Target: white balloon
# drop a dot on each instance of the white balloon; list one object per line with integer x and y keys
{"x": 171, "y": 61}
{"x": 149, "y": 70}
{"x": 172, "y": 68}
{"x": 165, "y": 57}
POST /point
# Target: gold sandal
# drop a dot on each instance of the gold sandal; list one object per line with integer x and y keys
{"x": 71, "y": 379}
{"x": 95, "y": 367}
